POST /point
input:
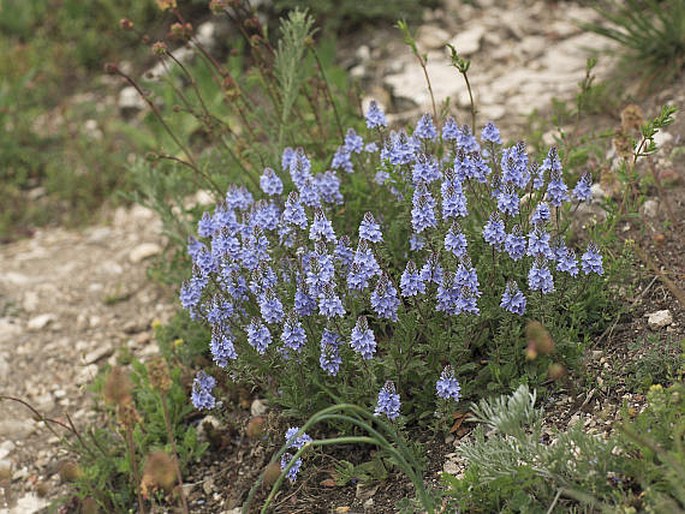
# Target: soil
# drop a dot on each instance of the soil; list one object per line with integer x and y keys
{"x": 70, "y": 299}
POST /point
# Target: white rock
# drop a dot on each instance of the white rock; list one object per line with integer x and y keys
{"x": 6, "y": 447}
{"x": 468, "y": 42}
{"x": 144, "y": 251}
{"x": 30, "y": 302}
{"x": 16, "y": 428}
{"x": 430, "y": 37}
{"x": 87, "y": 374}
{"x": 207, "y": 424}
{"x": 97, "y": 354}
{"x": 9, "y": 329}
{"x": 650, "y": 208}
{"x": 363, "y": 54}
{"x": 28, "y": 504}
{"x": 40, "y": 322}
{"x": 130, "y": 100}
{"x": 258, "y": 407}
{"x": 659, "y": 319}
{"x": 4, "y": 368}
{"x": 661, "y": 138}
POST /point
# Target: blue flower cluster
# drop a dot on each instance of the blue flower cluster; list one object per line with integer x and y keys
{"x": 272, "y": 275}
{"x": 295, "y": 442}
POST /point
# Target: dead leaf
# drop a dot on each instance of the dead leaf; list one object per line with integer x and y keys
{"x": 329, "y": 482}
{"x": 459, "y": 418}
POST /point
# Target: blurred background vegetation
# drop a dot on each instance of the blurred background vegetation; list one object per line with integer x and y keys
{"x": 65, "y": 148}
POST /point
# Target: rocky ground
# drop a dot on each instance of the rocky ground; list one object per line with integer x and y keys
{"x": 70, "y": 299}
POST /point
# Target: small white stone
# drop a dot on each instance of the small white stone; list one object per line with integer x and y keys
{"x": 258, "y": 407}
{"x": 468, "y": 42}
{"x": 662, "y": 138}
{"x": 650, "y": 208}
{"x": 659, "y": 319}
{"x": 6, "y": 447}
{"x": 144, "y": 251}
{"x": 40, "y": 322}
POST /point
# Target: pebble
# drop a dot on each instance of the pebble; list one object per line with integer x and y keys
{"x": 9, "y": 329}
{"x": 40, "y": 322}
{"x": 6, "y": 447}
{"x": 468, "y": 42}
{"x": 659, "y": 319}
{"x": 144, "y": 251}
{"x": 87, "y": 374}
{"x": 650, "y": 208}
{"x": 258, "y": 407}
{"x": 98, "y": 354}
{"x": 16, "y": 428}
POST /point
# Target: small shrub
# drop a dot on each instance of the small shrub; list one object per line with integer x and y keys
{"x": 420, "y": 254}
{"x": 652, "y": 33}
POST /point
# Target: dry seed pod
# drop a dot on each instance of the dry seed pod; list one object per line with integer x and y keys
{"x": 158, "y": 371}
{"x": 118, "y": 387}
{"x": 69, "y": 471}
{"x": 271, "y": 474}
{"x": 632, "y": 117}
{"x": 159, "y": 473}
{"x": 539, "y": 340}
{"x": 128, "y": 415}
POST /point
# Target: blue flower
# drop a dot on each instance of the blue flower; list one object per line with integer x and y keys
{"x": 330, "y": 304}
{"x": 270, "y": 183}
{"x": 513, "y": 299}
{"x": 416, "y": 242}
{"x": 369, "y": 230}
{"x": 330, "y": 360}
{"x": 305, "y": 305}
{"x": 201, "y": 395}
{"x": 411, "y": 283}
{"x": 450, "y": 130}
{"x": 287, "y": 158}
{"x": 309, "y": 192}
{"x": 490, "y": 134}
{"x": 388, "y": 402}
{"x": 238, "y": 198}
{"x": 447, "y": 387}
{"x": 493, "y": 231}
{"x": 270, "y": 307}
{"x": 432, "y": 271}
{"x": 191, "y": 293}
{"x": 293, "y": 336}
{"x": 294, "y": 213}
{"x": 353, "y": 142}
{"x": 300, "y": 168}
{"x": 583, "y": 190}
{"x": 321, "y": 228}
{"x": 539, "y": 244}
{"x": 515, "y": 244}
{"x": 363, "y": 340}
{"x": 328, "y": 187}
{"x": 343, "y": 252}
{"x": 453, "y": 201}
{"x": 295, "y": 468}
{"x": 557, "y": 191}
{"x": 423, "y": 210}
{"x": 508, "y": 201}
{"x": 565, "y": 257}
{"x": 221, "y": 347}
{"x": 292, "y": 440}
{"x": 540, "y": 278}
{"x": 466, "y": 140}
{"x": 205, "y": 227}
{"x": 258, "y": 336}
{"x": 426, "y": 169}
{"x": 342, "y": 160}
{"x": 364, "y": 267}
{"x": 542, "y": 214}
{"x": 384, "y": 299}
{"x": 514, "y": 164}
{"x": 375, "y": 118}
{"x": 455, "y": 241}
{"x": 591, "y": 260}
{"x": 425, "y": 129}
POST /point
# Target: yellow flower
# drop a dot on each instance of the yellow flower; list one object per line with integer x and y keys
{"x": 165, "y": 5}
